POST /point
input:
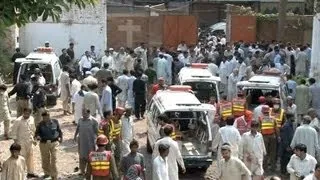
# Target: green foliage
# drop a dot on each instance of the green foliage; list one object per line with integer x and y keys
{"x": 21, "y": 12}
{"x": 6, "y": 68}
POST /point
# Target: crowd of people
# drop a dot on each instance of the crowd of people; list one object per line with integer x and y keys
{"x": 106, "y": 94}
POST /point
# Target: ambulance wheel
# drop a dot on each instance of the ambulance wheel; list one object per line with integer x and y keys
{"x": 149, "y": 148}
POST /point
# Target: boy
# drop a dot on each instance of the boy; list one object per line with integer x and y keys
{"x": 15, "y": 166}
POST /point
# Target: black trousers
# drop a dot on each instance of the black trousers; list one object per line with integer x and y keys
{"x": 84, "y": 70}
{"x": 139, "y": 105}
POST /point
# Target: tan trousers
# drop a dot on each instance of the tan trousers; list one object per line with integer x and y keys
{"x": 27, "y": 153}
{"x": 66, "y": 105}
{"x": 38, "y": 116}
{"x": 6, "y": 124}
{"x": 49, "y": 158}
{"x": 21, "y": 105}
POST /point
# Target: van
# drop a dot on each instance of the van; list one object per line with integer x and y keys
{"x": 48, "y": 62}
{"x": 263, "y": 85}
{"x": 203, "y": 83}
{"x": 192, "y": 120}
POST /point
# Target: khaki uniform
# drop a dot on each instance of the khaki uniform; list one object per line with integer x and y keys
{"x": 22, "y": 132}
{"x": 49, "y": 158}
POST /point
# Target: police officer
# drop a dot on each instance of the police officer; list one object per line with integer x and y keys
{"x": 101, "y": 161}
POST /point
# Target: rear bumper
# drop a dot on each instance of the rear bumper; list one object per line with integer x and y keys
{"x": 197, "y": 162}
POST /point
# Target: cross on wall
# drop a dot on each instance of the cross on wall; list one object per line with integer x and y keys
{"x": 129, "y": 28}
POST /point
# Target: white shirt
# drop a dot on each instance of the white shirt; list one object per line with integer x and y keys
{"x": 107, "y": 59}
{"x": 257, "y": 112}
{"x": 41, "y": 79}
{"x": 127, "y": 128}
{"x": 213, "y": 68}
{"x": 75, "y": 86}
{"x": 303, "y": 167}
{"x": 253, "y": 145}
{"x": 307, "y": 135}
{"x": 293, "y": 109}
{"x": 231, "y": 135}
{"x": 182, "y": 47}
{"x": 160, "y": 169}
{"x": 85, "y": 62}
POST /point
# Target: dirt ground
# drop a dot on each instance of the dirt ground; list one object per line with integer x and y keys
{"x": 68, "y": 157}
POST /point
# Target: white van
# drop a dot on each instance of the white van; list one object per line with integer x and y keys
{"x": 263, "y": 85}
{"x": 48, "y": 62}
{"x": 194, "y": 131}
{"x": 203, "y": 83}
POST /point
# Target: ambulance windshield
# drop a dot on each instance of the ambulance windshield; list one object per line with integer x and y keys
{"x": 203, "y": 90}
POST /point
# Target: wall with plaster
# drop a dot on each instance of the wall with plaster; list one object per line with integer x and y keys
{"x": 84, "y": 28}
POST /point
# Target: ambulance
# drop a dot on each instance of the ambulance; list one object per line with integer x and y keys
{"x": 267, "y": 84}
{"x": 192, "y": 121}
{"x": 48, "y": 62}
{"x": 203, "y": 83}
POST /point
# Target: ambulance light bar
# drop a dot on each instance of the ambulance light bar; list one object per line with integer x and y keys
{"x": 199, "y": 65}
{"x": 45, "y": 50}
{"x": 183, "y": 88}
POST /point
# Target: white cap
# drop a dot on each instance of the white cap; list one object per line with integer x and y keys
{"x": 88, "y": 72}
{"x": 110, "y": 49}
{"x": 47, "y": 42}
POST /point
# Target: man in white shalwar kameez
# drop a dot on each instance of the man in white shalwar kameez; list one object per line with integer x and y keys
{"x": 232, "y": 168}
{"x": 223, "y": 74}
{"x": 22, "y": 132}
{"x": 141, "y": 52}
{"x": 305, "y": 134}
{"x": 122, "y": 83}
{"x": 127, "y": 132}
{"x": 130, "y": 89}
{"x": 119, "y": 61}
{"x": 169, "y": 59}
{"x": 242, "y": 68}
{"x": 14, "y": 168}
{"x": 233, "y": 79}
{"x": 174, "y": 157}
{"x": 252, "y": 150}
{"x": 162, "y": 68}
{"x": 229, "y": 134}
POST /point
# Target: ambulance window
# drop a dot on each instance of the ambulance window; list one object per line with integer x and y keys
{"x": 57, "y": 69}
{"x": 155, "y": 115}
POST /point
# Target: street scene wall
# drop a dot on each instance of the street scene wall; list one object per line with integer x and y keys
{"x": 82, "y": 27}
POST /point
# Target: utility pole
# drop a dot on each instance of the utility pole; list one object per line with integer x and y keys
{"x": 282, "y": 19}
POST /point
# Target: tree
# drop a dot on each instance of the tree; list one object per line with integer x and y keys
{"x": 21, "y": 12}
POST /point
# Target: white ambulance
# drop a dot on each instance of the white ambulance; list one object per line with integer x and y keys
{"x": 193, "y": 124}
{"x": 48, "y": 62}
{"x": 203, "y": 83}
{"x": 266, "y": 84}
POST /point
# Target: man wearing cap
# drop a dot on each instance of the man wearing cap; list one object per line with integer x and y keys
{"x": 277, "y": 112}
{"x": 99, "y": 158}
{"x": 270, "y": 133}
{"x": 233, "y": 79}
{"x": 38, "y": 102}
{"x": 232, "y": 167}
{"x": 252, "y": 151}
{"x": 141, "y": 52}
{"x": 49, "y": 134}
{"x": 91, "y": 101}
{"x": 174, "y": 157}
{"x": 160, "y": 167}
{"x": 129, "y": 61}
{"x": 89, "y": 79}
{"x": 257, "y": 111}
{"x": 47, "y": 44}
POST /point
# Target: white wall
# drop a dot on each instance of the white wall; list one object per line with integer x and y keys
{"x": 315, "y": 53}
{"x": 84, "y": 28}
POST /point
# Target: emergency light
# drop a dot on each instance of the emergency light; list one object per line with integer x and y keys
{"x": 271, "y": 73}
{"x": 199, "y": 65}
{"x": 45, "y": 50}
{"x": 183, "y": 88}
